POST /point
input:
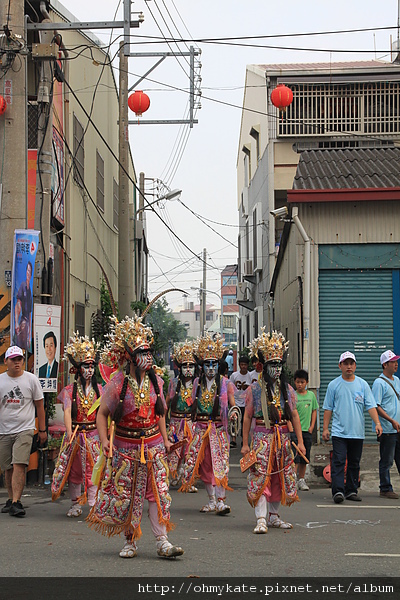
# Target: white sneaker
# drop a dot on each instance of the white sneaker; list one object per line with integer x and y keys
{"x": 222, "y": 508}
{"x": 302, "y": 486}
{"x": 75, "y": 511}
{"x": 166, "y": 550}
{"x": 210, "y": 507}
{"x": 129, "y": 550}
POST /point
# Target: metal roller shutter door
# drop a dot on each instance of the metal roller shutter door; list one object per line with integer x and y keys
{"x": 356, "y": 314}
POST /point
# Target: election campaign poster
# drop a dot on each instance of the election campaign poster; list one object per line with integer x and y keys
{"x": 47, "y": 337}
{"x": 25, "y": 247}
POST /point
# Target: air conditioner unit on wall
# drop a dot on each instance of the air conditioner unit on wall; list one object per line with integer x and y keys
{"x": 244, "y": 296}
{"x": 248, "y": 268}
{"x": 241, "y": 291}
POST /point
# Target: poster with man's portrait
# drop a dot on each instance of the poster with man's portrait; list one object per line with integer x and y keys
{"x": 47, "y": 336}
{"x": 25, "y": 248}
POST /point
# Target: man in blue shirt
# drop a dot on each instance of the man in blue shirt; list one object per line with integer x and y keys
{"x": 229, "y": 361}
{"x": 345, "y": 400}
{"x": 386, "y": 391}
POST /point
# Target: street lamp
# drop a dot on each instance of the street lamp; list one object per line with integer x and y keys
{"x": 171, "y": 195}
{"x": 200, "y": 289}
{"x": 139, "y": 232}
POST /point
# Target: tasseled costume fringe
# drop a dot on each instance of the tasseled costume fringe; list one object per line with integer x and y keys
{"x": 56, "y": 495}
{"x": 285, "y": 500}
{"x": 168, "y": 525}
{"x": 200, "y": 457}
{"x": 82, "y": 499}
{"x": 110, "y": 530}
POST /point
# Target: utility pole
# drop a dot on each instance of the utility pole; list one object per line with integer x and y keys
{"x": 203, "y": 292}
{"x": 125, "y": 276}
{"x": 201, "y": 310}
{"x": 44, "y": 172}
{"x": 138, "y": 234}
{"x": 13, "y": 163}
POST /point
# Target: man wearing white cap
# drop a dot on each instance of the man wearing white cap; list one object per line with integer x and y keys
{"x": 20, "y": 393}
{"x": 386, "y": 390}
{"x": 345, "y": 400}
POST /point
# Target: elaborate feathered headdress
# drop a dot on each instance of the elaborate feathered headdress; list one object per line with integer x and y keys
{"x": 270, "y": 346}
{"x": 183, "y": 353}
{"x": 81, "y": 349}
{"x": 208, "y": 348}
{"x": 125, "y": 338}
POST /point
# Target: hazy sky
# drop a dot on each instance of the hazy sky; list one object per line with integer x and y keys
{"x": 203, "y": 164}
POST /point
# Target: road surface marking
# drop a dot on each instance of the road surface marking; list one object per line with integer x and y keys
{"x": 371, "y": 554}
{"x": 354, "y": 506}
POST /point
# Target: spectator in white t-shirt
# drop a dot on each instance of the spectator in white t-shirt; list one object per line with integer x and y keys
{"x": 20, "y": 394}
{"x": 241, "y": 380}
{"x": 257, "y": 369}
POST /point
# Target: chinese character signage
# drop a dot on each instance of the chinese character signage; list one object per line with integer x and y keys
{"x": 47, "y": 336}
{"x": 8, "y": 94}
{"x": 24, "y": 255}
{"x": 32, "y": 167}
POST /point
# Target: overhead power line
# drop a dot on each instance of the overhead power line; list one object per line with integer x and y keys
{"x": 130, "y": 178}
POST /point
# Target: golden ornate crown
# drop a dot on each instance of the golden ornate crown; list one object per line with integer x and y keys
{"x": 183, "y": 353}
{"x": 271, "y": 345}
{"x": 127, "y": 335}
{"x": 208, "y": 348}
{"x": 81, "y": 349}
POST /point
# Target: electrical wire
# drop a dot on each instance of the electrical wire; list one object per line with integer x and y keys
{"x": 185, "y": 129}
{"x": 94, "y": 96}
{"x": 165, "y": 39}
{"x": 191, "y": 259}
{"x": 8, "y": 12}
{"x": 127, "y": 173}
{"x": 175, "y": 25}
{"x": 82, "y": 183}
{"x": 47, "y": 112}
{"x": 183, "y": 22}
{"x": 206, "y": 224}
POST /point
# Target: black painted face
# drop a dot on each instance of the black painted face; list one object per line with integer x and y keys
{"x": 273, "y": 369}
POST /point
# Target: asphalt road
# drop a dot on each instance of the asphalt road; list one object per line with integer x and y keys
{"x": 351, "y": 539}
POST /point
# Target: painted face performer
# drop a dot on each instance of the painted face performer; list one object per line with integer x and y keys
{"x": 136, "y": 467}
{"x": 208, "y": 453}
{"x": 271, "y": 402}
{"x": 81, "y": 445}
{"x": 180, "y": 399}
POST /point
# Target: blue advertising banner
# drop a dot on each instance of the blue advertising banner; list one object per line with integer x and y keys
{"x": 24, "y": 255}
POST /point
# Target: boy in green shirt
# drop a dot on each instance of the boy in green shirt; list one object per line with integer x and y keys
{"x": 307, "y": 408}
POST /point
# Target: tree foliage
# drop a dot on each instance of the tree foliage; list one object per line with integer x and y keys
{"x": 100, "y": 320}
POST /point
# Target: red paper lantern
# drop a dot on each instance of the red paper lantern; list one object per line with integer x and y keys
{"x": 281, "y": 97}
{"x": 3, "y": 105}
{"x": 138, "y": 102}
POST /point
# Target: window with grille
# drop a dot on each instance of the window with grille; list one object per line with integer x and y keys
{"x": 79, "y": 153}
{"x": 115, "y": 204}
{"x": 80, "y": 318}
{"x": 33, "y": 116}
{"x": 99, "y": 181}
{"x": 229, "y": 321}
{"x": 334, "y": 109}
